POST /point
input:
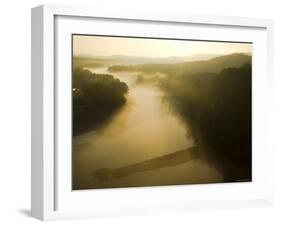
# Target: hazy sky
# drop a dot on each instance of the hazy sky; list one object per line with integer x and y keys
{"x": 106, "y": 46}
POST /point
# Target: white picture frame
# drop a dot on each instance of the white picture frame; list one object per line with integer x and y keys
{"x": 51, "y": 197}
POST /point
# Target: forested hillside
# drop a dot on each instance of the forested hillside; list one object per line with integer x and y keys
{"x": 216, "y": 64}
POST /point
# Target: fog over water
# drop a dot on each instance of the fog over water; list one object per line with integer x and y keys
{"x": 144, "y": 128}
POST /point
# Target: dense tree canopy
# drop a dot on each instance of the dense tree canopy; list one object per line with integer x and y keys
{"x": 95, "y": 98}
{"x": 218, "y": 106}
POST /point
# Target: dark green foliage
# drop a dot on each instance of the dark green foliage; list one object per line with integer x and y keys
{"x": 218, "y": 105}
{"x": 225, "y": 122}
{"x": 95, "y": 98}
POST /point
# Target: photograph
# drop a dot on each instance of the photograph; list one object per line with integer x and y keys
{"x": 152, "y": 111}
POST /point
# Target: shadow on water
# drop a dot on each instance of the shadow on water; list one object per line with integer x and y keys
{"x": 176, "y": 158}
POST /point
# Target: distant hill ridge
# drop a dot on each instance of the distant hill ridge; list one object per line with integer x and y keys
{"x": 124, "y": 59}
{"x": 215, "y": 64}
{"x": 235, "y": 58}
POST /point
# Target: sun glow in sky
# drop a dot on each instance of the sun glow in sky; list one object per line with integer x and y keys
{"x": 107, "y": 46}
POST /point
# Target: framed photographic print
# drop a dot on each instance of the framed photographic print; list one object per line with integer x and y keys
{"x": 137, "y": 112}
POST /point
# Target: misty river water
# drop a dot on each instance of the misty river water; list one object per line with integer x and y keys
{"x": 144, "y": 128}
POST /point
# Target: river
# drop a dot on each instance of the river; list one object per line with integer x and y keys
{"x": 144, "y": 128}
